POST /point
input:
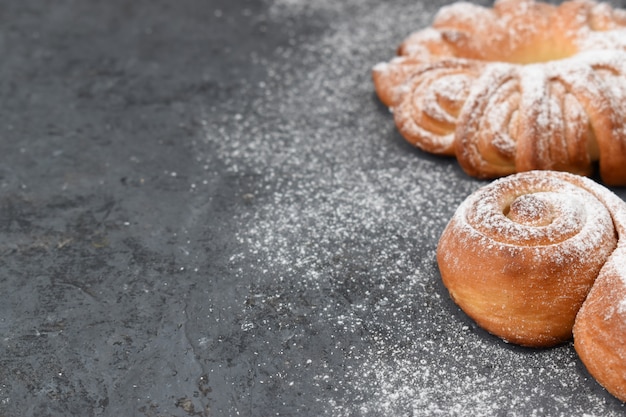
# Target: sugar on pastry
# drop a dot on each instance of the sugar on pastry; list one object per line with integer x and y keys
{"x": 534, "y": 255}
{"x": 521, "y": 86}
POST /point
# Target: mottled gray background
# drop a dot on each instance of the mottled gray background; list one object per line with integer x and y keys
{"x": 205, "y": 211}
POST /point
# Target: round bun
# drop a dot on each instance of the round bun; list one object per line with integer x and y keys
{"x": 538, "y": 256}
{"x": 521, "y": 86}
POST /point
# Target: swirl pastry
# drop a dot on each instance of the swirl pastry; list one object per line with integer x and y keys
{"x": 538, "y": 256}
{"x": 521, "y": 86}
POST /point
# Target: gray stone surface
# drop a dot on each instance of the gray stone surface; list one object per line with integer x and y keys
{"x": 205, "y": 211}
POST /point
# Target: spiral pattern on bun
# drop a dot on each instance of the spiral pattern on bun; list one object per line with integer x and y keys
{"x": 522, "y": 86}
{"x": 534, "y": 255}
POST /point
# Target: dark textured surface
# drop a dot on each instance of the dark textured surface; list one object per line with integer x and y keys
{"x": 205, "y": 211}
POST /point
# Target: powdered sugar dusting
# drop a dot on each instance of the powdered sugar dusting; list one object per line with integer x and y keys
{"x": 334, "y": 255}
{"x": 571, "y": 211}
{"x": 547, "y": 66}
{"x": 417, "y": 386}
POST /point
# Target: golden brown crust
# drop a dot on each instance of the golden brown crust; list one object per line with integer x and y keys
{"x": 544, "y": 87}
{"x": 520, "y": 255}
{"x": 600, "y": 333}
{"x": 433, "y": 98}
{"x": 535, "y": 254}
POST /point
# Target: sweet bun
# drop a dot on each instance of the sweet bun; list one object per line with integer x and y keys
{"x": 521, "y": 86}
{"x": 539, "y": 256}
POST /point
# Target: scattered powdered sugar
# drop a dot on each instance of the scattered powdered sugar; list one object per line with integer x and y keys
{"x": 417, "y": 384}
{"x": 575, "y": 216}
{"x": 545, "y": 130}
{"x": 615, "y": 39}
{"x": 454, "y": 90}
{"x": 340, "y": 230}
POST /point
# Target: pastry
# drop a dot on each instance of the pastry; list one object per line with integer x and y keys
{"x": 521, "y": 86}
{"x": 534, "y": 255}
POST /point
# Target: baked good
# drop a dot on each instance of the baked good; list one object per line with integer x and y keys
{"x": 600, "y": 327}
{"x": 521, "y": 86}
{"x": 506, "y": 239}
{"x": 534, "y": 255}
